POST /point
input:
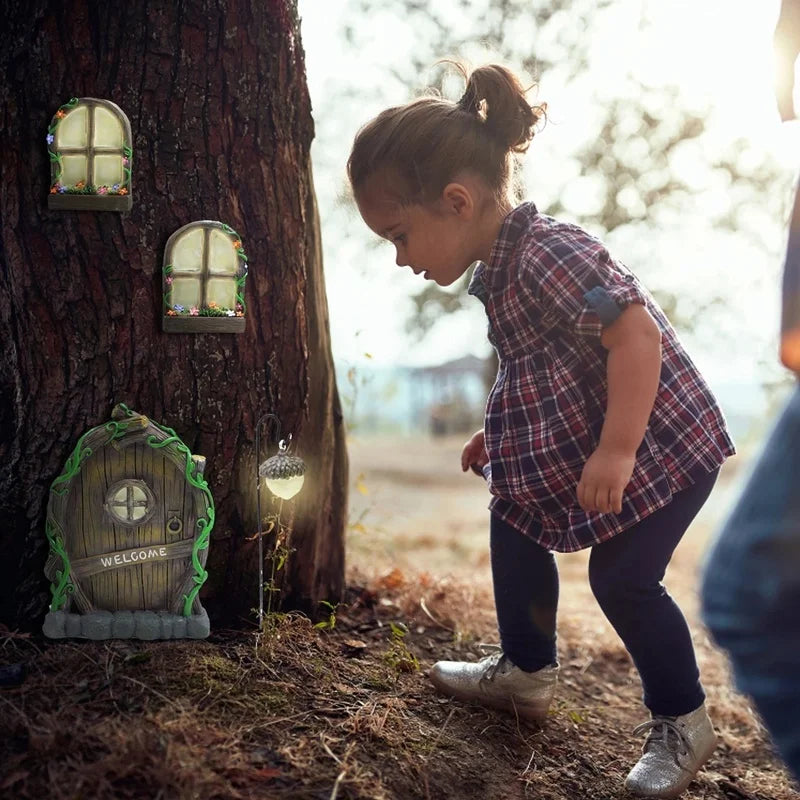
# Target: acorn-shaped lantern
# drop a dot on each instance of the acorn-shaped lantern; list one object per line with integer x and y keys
{"x": 283, "y": 474}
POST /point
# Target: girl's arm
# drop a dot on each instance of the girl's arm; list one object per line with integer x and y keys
{"x": 633, "y": 342}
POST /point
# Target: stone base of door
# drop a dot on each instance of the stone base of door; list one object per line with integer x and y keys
{"x": 126, "y": 625}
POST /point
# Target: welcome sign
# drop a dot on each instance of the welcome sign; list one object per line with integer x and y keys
{"x": 124, "y": 558}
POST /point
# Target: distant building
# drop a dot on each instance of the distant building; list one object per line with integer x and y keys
{"x": 451, "y": 397}
{"x": 438, "y": 400}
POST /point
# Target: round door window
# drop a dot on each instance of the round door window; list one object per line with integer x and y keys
{"x": 130, "y": 502}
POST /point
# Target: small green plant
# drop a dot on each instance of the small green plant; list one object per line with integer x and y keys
{"x": 277, "y": 557}
{"x": 330, "y": 623}
{"x": 576, "y": 716}
{"x": 271, "y": 623}
{"x": 398, "y": 656}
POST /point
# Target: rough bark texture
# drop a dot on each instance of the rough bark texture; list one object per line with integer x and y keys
{"x": 221, "y": 119}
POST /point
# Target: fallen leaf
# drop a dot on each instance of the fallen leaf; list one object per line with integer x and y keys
{"x": 392, "y": 580}
{"x": 266, "y": 773}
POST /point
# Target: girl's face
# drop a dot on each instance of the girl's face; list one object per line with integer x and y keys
{"x": 435, "y": 241}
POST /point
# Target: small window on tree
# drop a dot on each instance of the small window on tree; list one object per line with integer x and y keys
{"x": 130, "y": 502}
{"x": 89, "y": 142}
{"x": 205, "y": 268}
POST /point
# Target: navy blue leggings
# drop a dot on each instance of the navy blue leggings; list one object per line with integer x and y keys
{"x": 625, "y": 574}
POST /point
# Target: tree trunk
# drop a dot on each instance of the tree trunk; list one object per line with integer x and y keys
{"x": 221, "y": 122}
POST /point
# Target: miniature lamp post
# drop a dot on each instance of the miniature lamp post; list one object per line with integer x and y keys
{"x": 284, "y": 475}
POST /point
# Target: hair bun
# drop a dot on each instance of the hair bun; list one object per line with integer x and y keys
{"x": 413, "y": 151}
{"x": 495, "y": 94}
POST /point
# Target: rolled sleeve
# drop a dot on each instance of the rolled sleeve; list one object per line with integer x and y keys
{"x": 578, "y": 284}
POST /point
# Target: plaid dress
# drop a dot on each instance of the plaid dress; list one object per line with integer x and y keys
{"x": 549, "y": 290}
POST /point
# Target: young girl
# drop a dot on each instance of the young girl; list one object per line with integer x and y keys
{"x": 600, "y": 432}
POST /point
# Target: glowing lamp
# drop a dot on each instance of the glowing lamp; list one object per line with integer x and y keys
{"x": 283, "y": 474}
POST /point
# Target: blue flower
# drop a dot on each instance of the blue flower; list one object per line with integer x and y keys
{"x": 50, "y": 138}
{"x": 178, "y": 307}
{"x": 115, "y": 187}
{"x": 62, "y": 189}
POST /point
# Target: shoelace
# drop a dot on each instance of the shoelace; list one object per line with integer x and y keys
{"x": 660, "y": 728}
{"x": 494, "y": 661}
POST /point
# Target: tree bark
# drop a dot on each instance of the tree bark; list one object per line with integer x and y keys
{"x": 221, "y": 121}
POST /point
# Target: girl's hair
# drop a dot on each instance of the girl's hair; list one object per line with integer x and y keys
{"x": 422, "y": 146}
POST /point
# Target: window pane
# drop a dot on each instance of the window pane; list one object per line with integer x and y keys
{"x": 187, "y": 251}
{"x": 73, "y": 170}
{"x": 107, "y": 170}
{"x": 223, "y": 256}
{"x": 186, "y": 292}
{"x": 138, "y": 494}
{"x": 129, "y": 502}
{"x": 221, "y": 291}
{"x": 120, "y": 496}
{"x": 73, "y": 130}
{"x": 107, "y": 129}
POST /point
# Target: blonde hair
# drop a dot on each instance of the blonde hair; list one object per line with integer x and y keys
{"x": 422, "y": 146}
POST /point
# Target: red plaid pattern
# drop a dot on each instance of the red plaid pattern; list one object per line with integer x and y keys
{"x": 549, "y": 290}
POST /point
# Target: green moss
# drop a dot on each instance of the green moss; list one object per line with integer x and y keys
{"x": 269, "y": 701}
{"x": 214, "y": 666}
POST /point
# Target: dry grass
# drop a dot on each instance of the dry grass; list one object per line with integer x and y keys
{"x": 348, "y": 713}
{"x": 342, "y": 713}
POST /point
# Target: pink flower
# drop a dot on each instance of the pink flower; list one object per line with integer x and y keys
{"x": 102, "y": 190}
{"x": 169, "y": 280}
{"x": 194, "y": 311}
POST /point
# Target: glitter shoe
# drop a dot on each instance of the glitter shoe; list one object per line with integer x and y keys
{"x": 675, "y": 749}
{"x": 495, "y": 681}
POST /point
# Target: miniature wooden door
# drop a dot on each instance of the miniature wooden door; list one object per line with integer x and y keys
{"x": 128, "y": 523}
{"x": 128, "y": 520}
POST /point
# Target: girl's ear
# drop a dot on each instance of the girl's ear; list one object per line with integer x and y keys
{"x": 458, "y": 199}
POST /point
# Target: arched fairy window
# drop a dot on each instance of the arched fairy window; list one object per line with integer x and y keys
{"x": 89, "y": 142}
{"x": 204, "y": 272}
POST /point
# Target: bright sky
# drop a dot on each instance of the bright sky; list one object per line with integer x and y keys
{"x": 717, "y": 51}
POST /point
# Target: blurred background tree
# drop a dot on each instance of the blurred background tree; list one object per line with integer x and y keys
{"x": 657, "y": 141}
{"x": 643, "y": 135}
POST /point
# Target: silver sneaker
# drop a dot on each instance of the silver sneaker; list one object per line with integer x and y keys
{"x": 495, "y": 681}
{"x": 675, "y": 749}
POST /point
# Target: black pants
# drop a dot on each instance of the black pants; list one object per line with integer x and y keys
{"x": 625, "y": 574}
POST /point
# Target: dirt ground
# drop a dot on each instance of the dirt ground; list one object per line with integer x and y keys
{"x": 344, "y": 710}
{"x": 421, "y": 513}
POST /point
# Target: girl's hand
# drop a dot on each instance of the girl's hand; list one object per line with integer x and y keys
{"x": 474, "y": 455}
{"x": 603, "y": 480}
